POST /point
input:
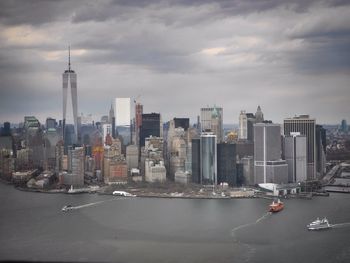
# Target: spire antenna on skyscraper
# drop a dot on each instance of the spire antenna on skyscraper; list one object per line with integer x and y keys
{"x": 69, "y": 57}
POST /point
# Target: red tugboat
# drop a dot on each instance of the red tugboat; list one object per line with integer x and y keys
{"x": 276, "y": 206}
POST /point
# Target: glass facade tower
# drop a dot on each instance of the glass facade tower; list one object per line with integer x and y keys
{"x": 208, "y": 158}
{"x": 70, "y": 77}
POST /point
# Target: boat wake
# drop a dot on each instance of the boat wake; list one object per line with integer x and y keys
{"x": 250, "y": 224}
{"x": 341, "y": 225}
{"x": 92, "y": 204}
{"x": 233, "y": 231}
{"x": 250, "y": 249}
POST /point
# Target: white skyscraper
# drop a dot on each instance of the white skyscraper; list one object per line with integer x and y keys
{"x": 243, "y": 129}
{"x": 122, "y": 111}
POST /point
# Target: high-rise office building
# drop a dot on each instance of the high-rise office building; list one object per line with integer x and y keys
{"x": 34, "y": 140}
{"x": 259, "y": 116}
{"x": 321, "y": 145}
{"x": 132, "y": 157}
{"x": 123, "y": 118}
{"x": 250, "y": 126}
{"x": 150, "y": 126}
{"x": 208, "y": 158}
{"x": 182, "y": 122}
{"x": 246, "y": 124}
{"x": 50, "y": 123}
{"x": 305, "y": 126}
{"x": 69, "y": 78}
{"x": 111, "y": 119}
{"x": 247, "y": 170}
{"x": 77, "y": 166}
{"x": 106, "y": 130}
{"x": 295, "y": 154}
{"x": 226, "y": 163}
{"x": 196, "y": 161}
{"x": 6, "y": 130}
{"x": 343, "y": 126}
{"x": 268, "y": 165}
{"x": 212, "y": 120}
{"x": 122, "y": 111}
{"x": 177, "y": 152}
{"x": 138, "y": 121}
{"x": 243, "y": 131}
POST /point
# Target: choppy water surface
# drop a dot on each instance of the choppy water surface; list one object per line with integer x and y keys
{"x": 116, "y": 229}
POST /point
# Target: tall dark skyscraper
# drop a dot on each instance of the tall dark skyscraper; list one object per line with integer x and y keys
{"x": 138, "y": 121}
{"x": 6, "y": 131}
{"x": 69, "y": 78}
{"x": 150, "y": 126}
{"x": 182, "y": 122}
{"x": 321, "y": 144}
{"x": 226, "y": 163}
{"x": 196, "y": 161}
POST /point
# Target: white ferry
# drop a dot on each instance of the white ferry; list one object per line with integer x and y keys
{"x": 319, "y": 224}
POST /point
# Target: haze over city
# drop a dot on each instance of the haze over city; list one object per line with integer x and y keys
{"x": 177, "y": 56}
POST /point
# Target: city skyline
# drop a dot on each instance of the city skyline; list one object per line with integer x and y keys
{"x": 177, "y": 57}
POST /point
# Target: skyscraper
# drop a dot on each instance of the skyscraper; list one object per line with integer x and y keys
{"x": 295, "y": 148}
{"x": 268, "y": 165}
{"x": 182, "y": 122}
{"x": 243, "y": 132}
{"x": 70, "y": 77}
{"x": 259, "y": 116}
{"x": 150, "y": 126}
{"x": 122, "y": 111}
{"x": 111, "y": 119}
{"x": 250, "y": 126}
{"x": 196, "y": 161}
{"x": 208, "y": 158}
{"x": 306, "y": 126}
{"x": 226, "y": 163}
{"x": 321, "y": 145}
{"x": 123, "y": 118}
{"x": 138, "y": 121}
{"x": 212, "y": 120}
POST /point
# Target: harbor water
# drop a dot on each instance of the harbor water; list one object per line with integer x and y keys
{"x": 117, "y": 229}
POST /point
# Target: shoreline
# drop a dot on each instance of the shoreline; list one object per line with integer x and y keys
{"x": 168, "y": 195}
{"x": 138, "y": 194}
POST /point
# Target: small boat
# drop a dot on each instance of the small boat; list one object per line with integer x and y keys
{"x": 319, "y": 224}
{"x": 123, "y": 193}
{"x": 276, "y": 206}
{"x": 67, "y": 208}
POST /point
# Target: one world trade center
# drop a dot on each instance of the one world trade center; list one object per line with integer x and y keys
{"x": 70, "y": 77}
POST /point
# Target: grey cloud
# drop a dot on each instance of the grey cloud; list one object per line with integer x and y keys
{"x": 154, "y": 48}
{"x": 35, "y": 12}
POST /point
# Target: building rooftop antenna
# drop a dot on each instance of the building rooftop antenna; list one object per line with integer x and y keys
{"x": 69, "y": 58}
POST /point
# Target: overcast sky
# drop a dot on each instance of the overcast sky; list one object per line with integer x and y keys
{"x": 290, "y": 57}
